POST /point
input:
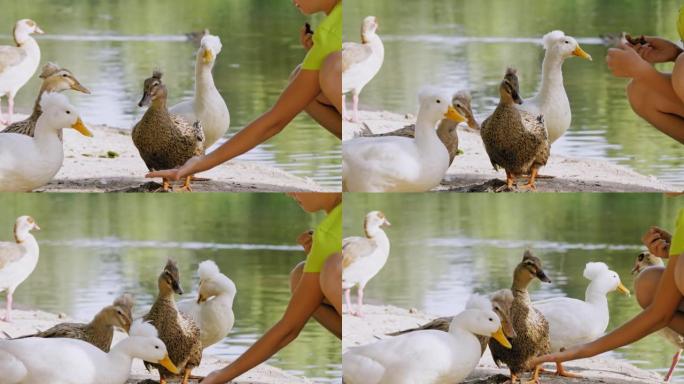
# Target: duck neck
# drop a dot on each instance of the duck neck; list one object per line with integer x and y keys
{"x": 121, "y": 356}
{"x": 374, "y": 41}
{"x": 204, "y": 80}
{"x": 552, "y": 75}
{"x": 44, "y": 135}
{"x": 30, "y": 45}
{"x": 376, "y": 233}
{"x": 425, "y": 134}
{"x": 595, "y": 296}
{"x": 521, "y": 281}
{"x": 457, "y": 329}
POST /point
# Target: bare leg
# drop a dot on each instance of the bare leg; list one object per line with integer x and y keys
{"x": 321, "y": 109}
{"x": 675, "y": 361}
{"x": 347, "y": 298}
{"x": 326, "y": 315}
{"x": 645, "y": 286}
{"x": 8, "y": 308}
{"x": 656, "y": 101}
{"x": 330, "y": 78}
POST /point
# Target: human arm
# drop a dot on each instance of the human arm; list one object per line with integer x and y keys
{"x": 657, "y": 50}
{"x": 658, "y": 315}
{"x": 306, "y": 298}
{"x": 299, "y": 93}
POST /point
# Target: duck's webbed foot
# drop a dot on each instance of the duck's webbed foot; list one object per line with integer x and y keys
{"x": 535, "y": 376}
{"x": 186, "y": 185}
{"x": 510, "y": 183}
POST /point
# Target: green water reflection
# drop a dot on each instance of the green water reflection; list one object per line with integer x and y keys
{"x": 463, "y": 44}
{"x": 260, "y": 49}
{"x": 95, "y": 247}
{"x": 445, "y": 247}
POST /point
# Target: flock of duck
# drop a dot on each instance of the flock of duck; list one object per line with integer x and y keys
{"x": 31, "y": 151}
{"x": 517, "y": 136}
{"x": 170, "y": 337}
{"x": 448, "y": 349}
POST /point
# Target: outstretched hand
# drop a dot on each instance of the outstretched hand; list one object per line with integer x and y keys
{"x": 657, "y": 50}
{"x": 657, "y": 240}
{"x": 573, "y": 353}
{"x": 176, "y": 173}
{"x": 624, "y": 61}
{"x": 213, "y": 378}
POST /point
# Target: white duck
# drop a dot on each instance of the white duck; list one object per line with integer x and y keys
{"x": 18, "y": 259}
{"x": 646, "y": 260}
{"x": 572, "y": 321}
{"x": 552, "y": 101}
{"x": 360, "y": 63}
{"x": 77, "y": 362}
{"x": 364, "y": 257}
{"x": 426, "y": 356}
{"x": 13, "y": 371}
{"x": 207, "y": 106}
{"x": 213, "y": 309}
{"x": 18, "y": 63}
{"x": 27, "y": 163}
{"x": 401, "y": 164}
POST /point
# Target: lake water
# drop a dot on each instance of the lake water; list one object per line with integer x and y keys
{"x": 463, "y": 44}
{"x": 95, "y": 247}
{"x": 445, "y": 247}
{"x": 112, "y": 46}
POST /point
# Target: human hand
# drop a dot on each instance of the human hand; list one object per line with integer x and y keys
{"x": 657, "y": 50}
{"x": 306, "y": 36}
{"x": 176, "y": 173}
{"x": 573, "y": 353}
{"x": 213, "y": 378}
{"x": 657, "y": 240}
{"x": 306, "y": 240}
{"x": 624, "y": 61}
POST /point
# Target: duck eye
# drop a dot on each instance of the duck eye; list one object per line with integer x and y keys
{"x": 490, "y": 319}
{"x": 439, "y": 101}
{"x": 156, "y": 347}
{"x": 64, "y": 75}
{"x": 68, "y": 112}
{"x": 567, "y": 42}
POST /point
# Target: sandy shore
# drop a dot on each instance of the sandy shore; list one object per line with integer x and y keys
{"x": 109, "y": 162}
{"x": 25, "y": 322}
{"x": 473, "y": 172}
{"x": 380, "y": 320}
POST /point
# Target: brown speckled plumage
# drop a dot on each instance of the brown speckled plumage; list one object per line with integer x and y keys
{"x": 179, "y": 332}
{"x": 165, "y": 141}
{"x": 515, "y": 140}
{"x": 55, "y": 79}
{"x": 100, "y": 331}
{"x": 531, "y": 328}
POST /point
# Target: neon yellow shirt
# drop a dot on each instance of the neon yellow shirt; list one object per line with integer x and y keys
{"x": 326, "y": 39}
{"x": 327, "y": 240}
{"x": 680, "y": 23}
{"x": 677, "y": 246}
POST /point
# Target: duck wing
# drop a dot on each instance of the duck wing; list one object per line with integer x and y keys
{"x": 9, "y": 253}
{"x": 356, "y": 248}
{"x": 354, "y": 53}
{"x": 10, "y": 57}
{"x": 63, "y": 330}
{"x": 537, "y": 136}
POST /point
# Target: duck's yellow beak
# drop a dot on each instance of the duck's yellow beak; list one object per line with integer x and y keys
{"x": 579, "y": 52}
{"x": 452, "y": 114}
{"x": 208, "y": 56}
{"x": 501, "y": 338}
{"x": 81, "y": 128}
{"x": 623, "y": 290}
{"x": 168, "y": 364}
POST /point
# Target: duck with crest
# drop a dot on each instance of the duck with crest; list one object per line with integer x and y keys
{"x": 164, "y": 140}
{"x": 100, "y": 331}
{"x": 178, "y": 331}
{"x": 515, "y": 140}
{"x": 55, "y": 79}
{"x": 530, "y": 326}
{"x": 364, "y": 257}
{"x": 18, "y": 259}
{"x": 18, "y": 63}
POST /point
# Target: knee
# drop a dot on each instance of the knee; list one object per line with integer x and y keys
{"x": 296, "y": 275}
{"x": 646, "y": 284}
{"x": 295, "y": 72}
{"x": 637, "y": 96}
{"x": 331, "y": 71}
{"x": 331, "y": 273}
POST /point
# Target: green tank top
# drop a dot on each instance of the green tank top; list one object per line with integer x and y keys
{"x": 326, "y": 40}
{"x": 327, "y": 240}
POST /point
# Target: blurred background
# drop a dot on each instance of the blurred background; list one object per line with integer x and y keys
{"x": 461, "y": 44}
{"x": 95, "y": 247}
{"x": 444, "y": 247}
{"x": 113, "y": 45}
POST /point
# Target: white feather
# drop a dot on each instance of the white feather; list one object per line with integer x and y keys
{"x": 594, "y": 270}
{"x": 551, "y": 38}
{"x": 143, "y": 328}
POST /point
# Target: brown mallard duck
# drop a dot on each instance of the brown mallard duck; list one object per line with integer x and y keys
{"x": 100, "y": 331}
{"x": 515, "y": 140}
{"x": 55, "y": 79}
{"x": 165, "y": 141}
{"x": 531, "y": 328}
{"x": 501, "y": 305}
{"x": 446, "y": 130}
{"x": 178, "y": 331}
